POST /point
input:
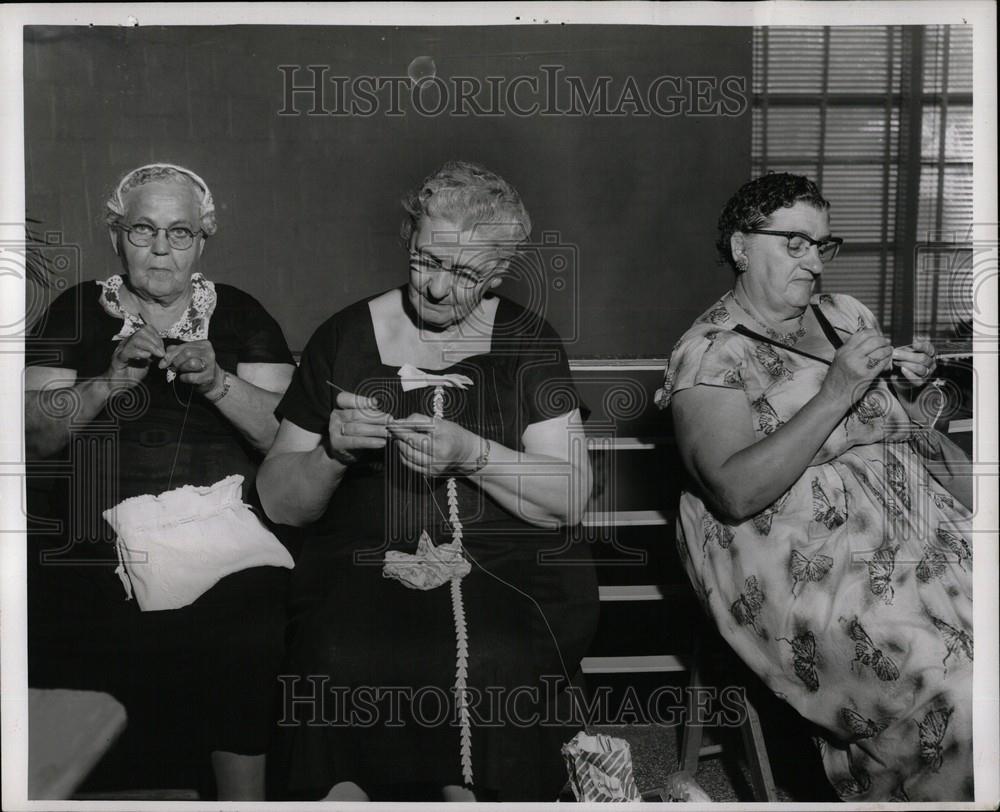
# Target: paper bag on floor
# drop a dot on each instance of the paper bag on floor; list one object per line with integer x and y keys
{"x": 600, "y": 768}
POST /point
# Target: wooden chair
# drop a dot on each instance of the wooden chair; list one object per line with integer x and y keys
{"x": 693, "y": 748}
{"x": 649, "y": 434}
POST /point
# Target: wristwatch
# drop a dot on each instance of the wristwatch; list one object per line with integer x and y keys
{"x": 227, "y": 381}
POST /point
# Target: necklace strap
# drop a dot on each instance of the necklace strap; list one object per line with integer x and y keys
{"x": 746, "y": 331}
{"x": 790, "y": 337}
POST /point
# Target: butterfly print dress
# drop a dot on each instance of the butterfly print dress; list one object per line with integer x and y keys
{"x": 851, "y": 595}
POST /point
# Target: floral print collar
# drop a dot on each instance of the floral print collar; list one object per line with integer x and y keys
{"x": 192, "y": 326}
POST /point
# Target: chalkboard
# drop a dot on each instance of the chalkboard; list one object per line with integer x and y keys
{"x": 624, "y": 141}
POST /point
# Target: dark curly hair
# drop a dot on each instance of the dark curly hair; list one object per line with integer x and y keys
{"x": 757, "y": 199}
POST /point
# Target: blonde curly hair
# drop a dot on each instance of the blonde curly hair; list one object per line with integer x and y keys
{"x": 473, "y": 198}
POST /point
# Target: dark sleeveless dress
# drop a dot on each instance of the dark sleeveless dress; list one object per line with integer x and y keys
{"x": 369, "y": 686}
{"x": 192, "y": 680}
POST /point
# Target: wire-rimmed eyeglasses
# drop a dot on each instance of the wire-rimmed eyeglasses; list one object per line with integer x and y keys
{"x": 463, "y": 276}
{"x": 799, "y": 243}
{"x": 142, "y": 235}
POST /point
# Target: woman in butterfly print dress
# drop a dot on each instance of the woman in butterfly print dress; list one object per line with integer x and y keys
{"x": 833, "y": 564}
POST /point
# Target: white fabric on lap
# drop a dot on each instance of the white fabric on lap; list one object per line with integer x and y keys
{"x": 174, "y": 547}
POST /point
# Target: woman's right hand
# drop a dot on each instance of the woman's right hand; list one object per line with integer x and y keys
{"x": 355, "y": 424}
{"x": 130, "y": 361}
{"x": 861, "y": 359}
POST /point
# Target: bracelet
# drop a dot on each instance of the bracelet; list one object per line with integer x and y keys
{"x": 227, "y": 381}
{"x": 482, "y": 459}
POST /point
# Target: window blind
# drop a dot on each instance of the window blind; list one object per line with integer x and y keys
{"x": 832, "y": 103}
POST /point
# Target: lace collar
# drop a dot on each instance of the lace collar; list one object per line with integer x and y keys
{"x": 192, "y": 326}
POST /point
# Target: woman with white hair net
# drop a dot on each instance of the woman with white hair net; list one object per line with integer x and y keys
{"x": 182, "y": 374}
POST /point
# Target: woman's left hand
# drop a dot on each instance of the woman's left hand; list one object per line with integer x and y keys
{"x": 195, "y": 364}
{"x": 434, "y": 446}
{"x": 917, "y": 362}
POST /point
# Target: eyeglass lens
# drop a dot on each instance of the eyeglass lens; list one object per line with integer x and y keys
{"x": 426, "y": 264}
{"x": 797, "y": 247}
{"x": 142, "y": 236}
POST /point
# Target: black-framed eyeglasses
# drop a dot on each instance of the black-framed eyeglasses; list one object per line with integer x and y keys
{"x": 463, "y": 276}
{"x": 799, "y": 243}
{"x": 142, "y": 235}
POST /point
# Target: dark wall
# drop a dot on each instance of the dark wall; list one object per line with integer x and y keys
{"x": 308, "y": 205}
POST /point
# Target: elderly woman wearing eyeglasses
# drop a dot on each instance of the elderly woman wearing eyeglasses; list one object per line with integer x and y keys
{"x": 829, "y": 558}
{"x": 179, "y": 376}
{"x": 432, "y": 444}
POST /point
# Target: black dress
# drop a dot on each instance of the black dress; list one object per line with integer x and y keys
{"x": 369, "y": 692}
{"x": 192, "y": 680}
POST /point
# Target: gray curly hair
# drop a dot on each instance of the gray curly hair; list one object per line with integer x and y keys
{"x": 115, "y": 206}
{"x": 472, "y": 197}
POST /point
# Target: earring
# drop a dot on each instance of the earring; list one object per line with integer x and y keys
{"x": 742, "y": 263}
